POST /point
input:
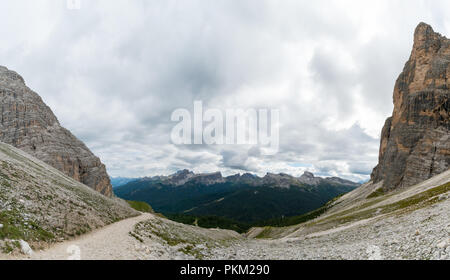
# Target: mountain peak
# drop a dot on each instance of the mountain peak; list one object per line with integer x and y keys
{"x": 426, "y": 39}
{"x": 6, "y": 74}
{"x": 307, "y": 174}
{"x": 30, "y": 125}
{"x": 183, "y": 172}
{"x": 309, "y": 179}
{"x": 414, "y": 141}
{"x": 422, "y": 29}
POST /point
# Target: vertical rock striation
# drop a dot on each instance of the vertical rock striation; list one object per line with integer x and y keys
{"x": 415, "y": 141}
{"x": 28, "y": 124}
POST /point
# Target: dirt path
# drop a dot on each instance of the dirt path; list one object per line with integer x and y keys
{"x": 108, "y": 243}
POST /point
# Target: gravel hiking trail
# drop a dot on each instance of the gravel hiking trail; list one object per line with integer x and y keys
{"x": 111, "y": 242}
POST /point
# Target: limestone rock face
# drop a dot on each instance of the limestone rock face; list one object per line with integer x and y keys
{"x": 415, "y": 141}
{"x": 28, "y": 124}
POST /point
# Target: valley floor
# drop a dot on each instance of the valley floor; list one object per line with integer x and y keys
{"x": 422, "y": 234}
{"x": 408, "y": 233}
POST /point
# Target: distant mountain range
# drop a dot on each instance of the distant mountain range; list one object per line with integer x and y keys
{"x": 242, "y": 198}
{"x": 120, "y": 181}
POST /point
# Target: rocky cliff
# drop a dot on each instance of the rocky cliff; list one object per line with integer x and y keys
{"x": 415, "y": 141}
{"x": 28, "y": 124}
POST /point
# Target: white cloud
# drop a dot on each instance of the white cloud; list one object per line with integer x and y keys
{"x": 115, "y": 70}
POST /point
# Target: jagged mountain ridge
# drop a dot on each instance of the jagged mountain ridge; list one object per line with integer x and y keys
{"x": 277, "y": 180}
{"x": 29, "y": 124}
{"x": 415, "y": 141}
{"x": 244, "y": 198}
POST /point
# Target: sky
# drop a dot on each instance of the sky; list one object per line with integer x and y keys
{"x": 114, "y": 71}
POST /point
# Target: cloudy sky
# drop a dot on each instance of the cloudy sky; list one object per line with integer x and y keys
{"x": 114, "y": 71}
